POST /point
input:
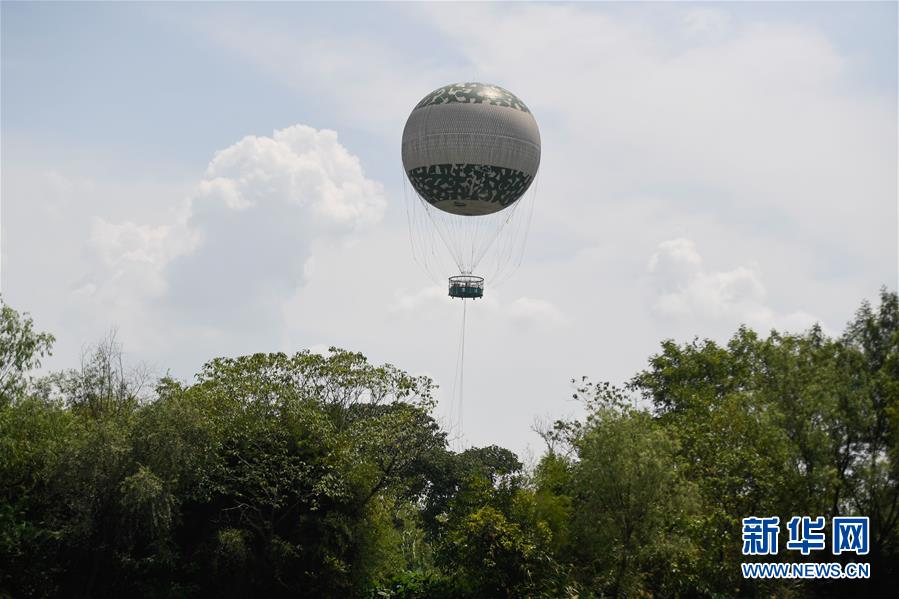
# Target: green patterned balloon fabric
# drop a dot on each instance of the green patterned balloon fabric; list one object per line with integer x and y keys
{"x": 471, "y": 149}
{"x": 461, "y": 186}
{"x": 473, "y": 93}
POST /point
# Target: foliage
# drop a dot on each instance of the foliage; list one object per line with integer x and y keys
{"x": 313, "y": 475}
{"x": 21, "y": 349}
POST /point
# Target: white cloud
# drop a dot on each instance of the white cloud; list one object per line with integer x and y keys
{"x": 707, "y": 21}
{"x": 301, "y": 166}
{"x": 533, "y": 311}
{"x": 241, "y": 243}
{"x": 405, "y": 301}
{"x": 675, "y": 261}
{"x": 133, "y": 257}
{"x": 737, "y": 296}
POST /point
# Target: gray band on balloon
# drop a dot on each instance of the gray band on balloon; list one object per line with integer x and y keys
{"x": 457, "y": 133}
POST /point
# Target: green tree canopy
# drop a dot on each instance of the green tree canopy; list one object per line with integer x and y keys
{"x": 312, "y": 475}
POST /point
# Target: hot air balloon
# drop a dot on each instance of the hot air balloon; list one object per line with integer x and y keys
{"x": 470, "y": 152}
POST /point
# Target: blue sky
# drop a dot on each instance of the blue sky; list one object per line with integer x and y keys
{"x": 704, "y": 165}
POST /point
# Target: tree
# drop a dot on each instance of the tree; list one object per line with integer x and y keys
{"x": 32, "y": 437}
{"x": 785, "y": 425}
{"x": 313, "y": 455}
{"x": 872, "y": 341}
{"x": 631, "y": 509}
{"x": 313, "y": 475}
{"x": 21, "y": 349}
{"x": 488, "y": 532}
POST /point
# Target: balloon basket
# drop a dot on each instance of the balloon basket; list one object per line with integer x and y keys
{"x": 466, "y": 286}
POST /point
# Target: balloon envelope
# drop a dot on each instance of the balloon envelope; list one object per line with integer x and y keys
{"x": 471, "y": 149}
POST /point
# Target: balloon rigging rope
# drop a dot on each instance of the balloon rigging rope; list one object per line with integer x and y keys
{"x": 512, "y": 247}
{"x": 409, "y": 221}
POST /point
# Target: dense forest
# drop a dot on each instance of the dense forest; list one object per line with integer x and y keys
{"x": 327, "y": 476}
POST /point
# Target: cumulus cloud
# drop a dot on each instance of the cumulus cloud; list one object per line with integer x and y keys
{"x": 536, "y": 311}
{"x": 686, "y": 290}
{"x": 405, "y": 301}
{"x": 242, "y": 241}
{"x": 133, "y": 257}
{"x": 298, "y": 166}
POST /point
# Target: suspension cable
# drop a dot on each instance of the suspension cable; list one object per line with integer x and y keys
{"x": 462, "y": 366}
{"x": 457, "y": 405}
